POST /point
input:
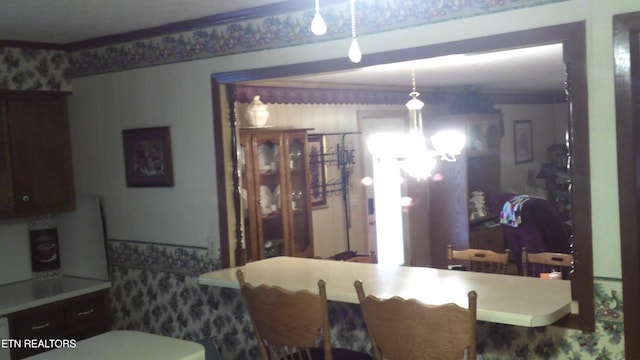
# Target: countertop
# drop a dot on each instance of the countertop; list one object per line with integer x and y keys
{"x": 31, "y": 293}
{"x": 123, "y": 344}
{"x": 505, "y": 299}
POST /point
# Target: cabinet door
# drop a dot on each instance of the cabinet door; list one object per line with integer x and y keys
{"x": 88, "y": 316}
{"x": 44, "y": 322}
{"x": 269, "y": 184}
{"x": 6, "y": 183}
{"x": 40, "y": 153}
{"x": 298, "y": 176}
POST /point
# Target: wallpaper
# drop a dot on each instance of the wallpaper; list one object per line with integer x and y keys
{"x": 167, "y": 300}
{"x": 33, "y": 69}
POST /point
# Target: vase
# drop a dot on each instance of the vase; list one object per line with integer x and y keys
{"x": 257, "y": 113}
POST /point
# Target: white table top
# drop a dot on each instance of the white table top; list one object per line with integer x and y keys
{"x": 505, "y": 299}
{"x": 31, "y": 293}
{"x": 125, "y": 345}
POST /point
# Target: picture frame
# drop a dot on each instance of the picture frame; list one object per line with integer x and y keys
{"x": 45, "y": 250}
{"x": 147, "y": 157}
{"x": 317, "y": 170}
{"x": 522, "y": 141}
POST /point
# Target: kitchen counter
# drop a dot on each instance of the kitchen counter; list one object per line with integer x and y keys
{"x": 505, "y": 299}
{"x": 32, "y": 293}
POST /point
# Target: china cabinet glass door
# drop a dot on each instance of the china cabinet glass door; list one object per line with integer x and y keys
{"x": 269, "y": 179}
{"x": 301, "y": 242}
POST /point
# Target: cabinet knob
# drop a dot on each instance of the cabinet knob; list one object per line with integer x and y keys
{"x": 25, "y": 198}
{"x": 85, "y": 313}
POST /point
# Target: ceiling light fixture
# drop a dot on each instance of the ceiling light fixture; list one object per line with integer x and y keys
{"x": 354, "y": 50}
{"x": 318, "y": 26}
{"x": 411, "y": 150}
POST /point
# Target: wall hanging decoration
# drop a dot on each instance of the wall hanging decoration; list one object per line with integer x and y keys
{"x": 45, "y": 253}
{"x": 317, "y": 171}
{"x": 523, "y": 141}
{"x": 147, "y": 157}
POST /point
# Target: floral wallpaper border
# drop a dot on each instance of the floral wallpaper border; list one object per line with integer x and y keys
{"x": 180, "y": 259}
{"x": 155, "y": 289}
{"x": 52, "y": 70}
{"x": 283, "y": 30}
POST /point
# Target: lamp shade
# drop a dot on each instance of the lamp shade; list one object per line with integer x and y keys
{"x": 449, "y": 142}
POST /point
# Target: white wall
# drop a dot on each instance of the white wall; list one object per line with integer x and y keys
{"x": 176, "y": 95}
{"x": 548, "y": 122}
{"x": 179, "y": 95}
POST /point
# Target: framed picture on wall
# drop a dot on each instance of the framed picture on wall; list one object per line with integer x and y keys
{"x": 523, "y": 141}
{"x": 147, "y": 157}
{"x": 317, "y": 171}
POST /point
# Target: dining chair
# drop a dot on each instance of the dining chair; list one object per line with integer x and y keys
{"x": 546, "y": 262}
{"x": 402, "y": 329}
{"x": 290, "y": 325}
{"x": 480, "y": 260}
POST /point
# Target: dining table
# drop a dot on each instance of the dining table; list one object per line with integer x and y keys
{"x": 503, "y": 299}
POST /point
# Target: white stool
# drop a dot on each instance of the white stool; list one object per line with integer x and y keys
{"x": 125, "y": 345}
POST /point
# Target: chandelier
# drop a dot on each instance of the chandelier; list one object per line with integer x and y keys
{"x": 411, "y": 150}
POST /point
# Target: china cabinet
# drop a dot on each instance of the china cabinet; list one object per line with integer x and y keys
{"x": 275, "y": 192}
{"x": 36, "y": 174}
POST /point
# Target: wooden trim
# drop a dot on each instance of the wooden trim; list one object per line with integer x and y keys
{"x": 221, "y": 177}
{"x": 626, "y": 47}
{"x": 31, "y": 45}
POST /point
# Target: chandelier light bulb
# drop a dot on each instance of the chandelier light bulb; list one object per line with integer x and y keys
{"x": 355, "y": 55}
{"x": 354, "y": 51}
{"x": 318, "y": 26}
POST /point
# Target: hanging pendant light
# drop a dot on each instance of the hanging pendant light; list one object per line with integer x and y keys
{"x": 419, "y": 161}
{"x": 318, "y": 26}
{"x": 354, "y": 50}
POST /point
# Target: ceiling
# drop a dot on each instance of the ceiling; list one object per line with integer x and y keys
{"x": 533, "y": 69}
{"x": 63, "y": 22}
{"x": 68, "y": 21}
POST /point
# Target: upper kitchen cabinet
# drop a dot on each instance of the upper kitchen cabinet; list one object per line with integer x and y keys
{"x": 275, "y": 192}
{"x": 36, "y": 175}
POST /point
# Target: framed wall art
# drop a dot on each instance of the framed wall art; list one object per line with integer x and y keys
{"x": 523, "y": 141}
{"x": 147, "y": 157}
{"x": 317, "y": 171}
{"x": 45, "y": 253}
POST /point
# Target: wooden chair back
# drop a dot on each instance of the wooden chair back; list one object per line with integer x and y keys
{"x": 480, "y": 260}
{"x": 546, "y": 262}
{"x": 402, "y": 329}
{"x": 292, "y": 325}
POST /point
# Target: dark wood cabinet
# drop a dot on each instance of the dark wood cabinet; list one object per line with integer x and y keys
{"x": 275, "y": 181}
{"x": 36, "y": 175}
{"x": 76, "y": 318}
{"x": 476, "y": 169}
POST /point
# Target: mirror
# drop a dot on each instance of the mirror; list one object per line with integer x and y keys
{"x": 572, "y": 36}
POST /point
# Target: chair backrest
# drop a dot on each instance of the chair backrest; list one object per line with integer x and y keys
{"x": 480, "y": 260}
{"x": 546, "y": 262}
{"x": 287, "y": 324}
{"x": 372, "y": 258}
{"x": 402, "y": 329}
